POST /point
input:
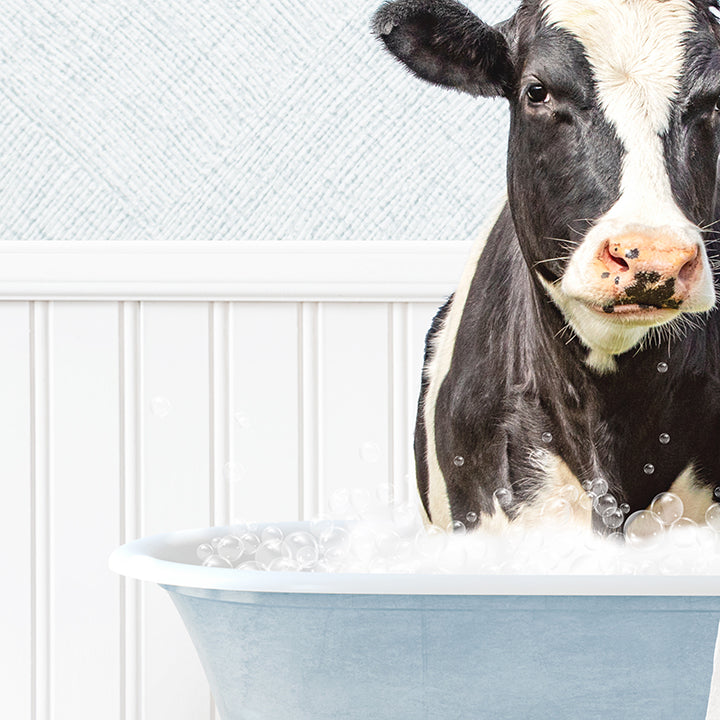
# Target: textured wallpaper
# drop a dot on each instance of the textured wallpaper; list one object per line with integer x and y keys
{"x": 232, "y": 120}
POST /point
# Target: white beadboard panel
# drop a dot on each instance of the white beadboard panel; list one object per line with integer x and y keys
{"x": 311, "y": 460}
{"x": 84, "y": 503}
{"x": 221, "y": 380}
{"x": 128, "y": 418}
{"x": 355, "y": 397}
{"x": 401, "y": 419}
{"x": 176, "y": 490}
{"x": 41, "y": 355}
{"x": 16, "y": 511}
{"x": 345, "y": 271}
{"x": 265, "y": 371}
{"x": 130, "y": 478}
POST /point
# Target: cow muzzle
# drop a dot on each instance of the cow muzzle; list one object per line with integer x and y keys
{"x": 637, "y": 273}
{"x": 646, "y": 271}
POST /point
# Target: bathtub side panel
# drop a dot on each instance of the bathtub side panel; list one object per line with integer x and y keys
{"x": 489, "y": 658}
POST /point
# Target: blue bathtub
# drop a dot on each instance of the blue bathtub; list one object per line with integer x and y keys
{"x": 320, "y": 646}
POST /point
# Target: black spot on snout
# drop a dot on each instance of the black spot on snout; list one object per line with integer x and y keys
{"x": 646, "y": 291}
{"x": 632, "y": 254}
{"x": 608, "y": 309}
{"x": 605, "y": 275}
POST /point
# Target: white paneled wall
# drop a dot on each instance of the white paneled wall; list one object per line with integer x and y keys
{"x": 155, "y": 388}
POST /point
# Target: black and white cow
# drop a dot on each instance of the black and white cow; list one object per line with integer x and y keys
{"x": 581, "y": 344}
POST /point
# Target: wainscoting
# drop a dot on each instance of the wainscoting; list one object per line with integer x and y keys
{"x": 157, "y": 386}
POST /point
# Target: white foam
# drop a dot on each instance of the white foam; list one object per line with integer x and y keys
{"x": 393, "y": 539}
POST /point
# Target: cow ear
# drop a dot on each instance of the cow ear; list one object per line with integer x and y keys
{"x": 443, "y": 42}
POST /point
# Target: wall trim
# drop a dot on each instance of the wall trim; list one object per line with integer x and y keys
{"x": 251, "y": 271}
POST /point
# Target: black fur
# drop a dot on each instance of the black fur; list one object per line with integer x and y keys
{"x": 514, "y": 377}
{"x": 443, "y": 42}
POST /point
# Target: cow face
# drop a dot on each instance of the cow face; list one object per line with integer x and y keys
{"x": 614, "y": 140}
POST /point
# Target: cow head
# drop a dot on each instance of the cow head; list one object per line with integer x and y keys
{"x": 614, "y": 141}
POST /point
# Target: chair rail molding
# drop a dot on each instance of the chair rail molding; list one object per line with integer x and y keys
{"x": 344, "y": 271}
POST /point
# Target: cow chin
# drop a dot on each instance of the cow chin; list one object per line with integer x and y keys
{"x": 609, "y": 333}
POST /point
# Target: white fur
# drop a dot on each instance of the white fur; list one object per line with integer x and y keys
{"x": 635, "y": 48}
{"x": 437, "y": 369}
{"x": 696, "y": 498}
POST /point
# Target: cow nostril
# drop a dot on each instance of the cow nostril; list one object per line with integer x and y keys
{"x": 612, "y": 259}
{"x": 687, "y": 271}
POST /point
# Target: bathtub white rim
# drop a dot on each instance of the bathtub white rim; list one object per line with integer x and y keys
{"x": 142, "y": 560}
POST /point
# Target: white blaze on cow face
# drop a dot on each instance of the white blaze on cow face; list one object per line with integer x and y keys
{"x": 636, "y": 49}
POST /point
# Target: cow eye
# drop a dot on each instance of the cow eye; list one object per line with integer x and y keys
{"x": 537, "y": 93}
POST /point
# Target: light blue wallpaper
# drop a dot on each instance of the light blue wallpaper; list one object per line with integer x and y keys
{"x": 221, "y": 120}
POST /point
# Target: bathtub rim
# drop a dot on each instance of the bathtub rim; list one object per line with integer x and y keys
{"x": 148, "y": 558}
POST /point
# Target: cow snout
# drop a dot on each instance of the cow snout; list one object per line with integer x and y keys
{"x": 654, "y": 270}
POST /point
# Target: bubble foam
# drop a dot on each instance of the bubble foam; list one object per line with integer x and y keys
{"x": 396, "y": 541}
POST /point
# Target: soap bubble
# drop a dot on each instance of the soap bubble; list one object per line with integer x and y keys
{"x": 250, "y": 542}
{"x": 271, "y": 532}
{"x": 547, "y": 437}
{"x": 458, "y": 461}
{"x": 216, "y": 561}
{"x": 503, "y": 496}
{"x": 664, "y": 438}
{"x": 160, "y": 406}
{"x": 250, "y": 565}
{"x": 302, "y": 548}
{"x": 599, "y": 486}
{"x": 321, "y": 524}
{"x": 230, "y": 548}
{"x": 649, "y": 469}
{"x": 683, "y": 533}
{"x": 282, "y": 564}
{"x": 644, "y": 529}
{"x": 712, "y": 517}
{"x": 370, "y": 452}
{"x": 585, "y": 501}
{"x": 471, "y": 518}
{"x": 241, "y": 420}
{"x": 625, "y": 508}
{"x": 662, "y": 367}
{"x": 716, "y": 492}
{"x": 333, "y": 536}
{"x": 457, "y": 527}
{"x": 268, "y": 551}
{"x": 613, "y": 519}
{"x": 668, "y": 507}
{"x": 205, "y": 551}
{"x": 604, "y": 504}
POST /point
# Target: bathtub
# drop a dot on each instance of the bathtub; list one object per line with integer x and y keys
{"x": 320, "y": 646}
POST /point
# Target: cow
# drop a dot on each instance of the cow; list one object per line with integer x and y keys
{"x": 580, "y": 350}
